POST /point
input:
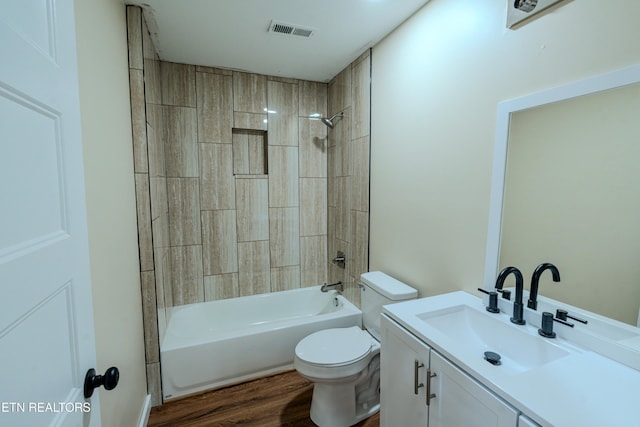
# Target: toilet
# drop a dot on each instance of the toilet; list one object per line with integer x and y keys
{"x": 344, "y": 363}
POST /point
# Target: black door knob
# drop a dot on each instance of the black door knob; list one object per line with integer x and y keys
{"x": 92, "y": 381}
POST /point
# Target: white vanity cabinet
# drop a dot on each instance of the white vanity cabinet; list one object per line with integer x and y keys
{"x": 420, "y": 387}
{"x": 449, "y": 334}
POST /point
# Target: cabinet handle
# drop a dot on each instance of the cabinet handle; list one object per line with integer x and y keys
{"x": 429, "y": 394}
{"x": 416, "y": 377}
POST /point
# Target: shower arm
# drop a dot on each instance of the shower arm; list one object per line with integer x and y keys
{"x": 329, "y": 121}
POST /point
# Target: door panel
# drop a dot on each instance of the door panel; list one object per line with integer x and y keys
{"x": 36, "y": 213}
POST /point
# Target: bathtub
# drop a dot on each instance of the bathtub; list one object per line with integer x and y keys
{"x": 211, "y": 344}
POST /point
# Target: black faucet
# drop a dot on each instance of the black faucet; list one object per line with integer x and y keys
{"x": 517, "y": 304}
{"x": 533, "y": 292}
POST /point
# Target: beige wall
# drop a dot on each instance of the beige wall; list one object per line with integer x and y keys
{"x": 437, "y": 81}
{"x": 106, "y": 133}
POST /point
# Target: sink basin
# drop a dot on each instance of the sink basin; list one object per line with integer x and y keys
{"x": 474, "y": 332}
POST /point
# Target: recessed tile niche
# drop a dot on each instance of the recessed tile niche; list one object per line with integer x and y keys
{"x": 250, "y": 152}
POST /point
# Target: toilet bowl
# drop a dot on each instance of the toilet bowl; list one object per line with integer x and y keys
{"x": 344, "y": 363}
{"x": 339, "y": 362}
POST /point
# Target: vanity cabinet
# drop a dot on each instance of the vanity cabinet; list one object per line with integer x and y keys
{"x": 419, "y": 388}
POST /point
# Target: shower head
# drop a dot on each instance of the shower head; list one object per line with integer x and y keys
{"x": 329, "y": 121}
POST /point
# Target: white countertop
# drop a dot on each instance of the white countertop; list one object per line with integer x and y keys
{"x": 581, "y": 389}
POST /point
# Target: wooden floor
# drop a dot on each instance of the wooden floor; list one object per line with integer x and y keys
{"x": 279, "y": 400}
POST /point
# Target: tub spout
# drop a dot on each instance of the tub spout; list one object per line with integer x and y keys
{"x": 338, "y": 286}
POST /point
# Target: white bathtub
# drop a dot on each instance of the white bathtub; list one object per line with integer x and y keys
{"x": 211, "y": 344}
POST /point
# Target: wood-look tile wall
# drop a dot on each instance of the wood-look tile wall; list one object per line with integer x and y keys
{"x": 149, "y": 151}
{"x": 246, "y": 182}
{"x": 348, "y": 174}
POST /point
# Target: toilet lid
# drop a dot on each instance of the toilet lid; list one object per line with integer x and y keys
{"x": 334, "y": 346}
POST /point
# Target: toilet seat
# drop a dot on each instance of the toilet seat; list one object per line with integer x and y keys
{"x": 334, "y": 347}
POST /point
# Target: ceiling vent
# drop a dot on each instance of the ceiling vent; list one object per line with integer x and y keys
{"x": 289, "y": 29}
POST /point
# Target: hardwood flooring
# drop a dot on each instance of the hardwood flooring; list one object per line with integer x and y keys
{"x": 279, "y": 400}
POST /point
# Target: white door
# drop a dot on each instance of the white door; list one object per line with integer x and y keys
{"x": 46, "y": 318}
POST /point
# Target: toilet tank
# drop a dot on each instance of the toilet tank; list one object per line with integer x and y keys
{"x": 380, "y": 289}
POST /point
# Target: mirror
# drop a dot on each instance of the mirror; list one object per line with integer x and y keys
{"x": 566, "y": 190}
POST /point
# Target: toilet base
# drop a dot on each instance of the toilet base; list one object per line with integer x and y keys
{"x": 334, "y": 405}
{"x": 343, "y": 404}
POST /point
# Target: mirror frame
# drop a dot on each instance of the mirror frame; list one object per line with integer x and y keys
{"x": 611, "y": 80}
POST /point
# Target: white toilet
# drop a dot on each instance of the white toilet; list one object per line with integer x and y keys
{"x": 344, "y": 363}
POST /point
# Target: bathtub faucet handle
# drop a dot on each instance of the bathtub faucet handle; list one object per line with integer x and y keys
{"x": 338, "y": 286}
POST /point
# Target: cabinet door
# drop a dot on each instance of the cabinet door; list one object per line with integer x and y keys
{"x": 403, "y": 361}
{"x": 461, "y": 401}
{"x": 524, "y": 421}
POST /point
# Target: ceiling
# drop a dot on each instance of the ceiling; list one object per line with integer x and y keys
{"x": 235, "y": 33}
